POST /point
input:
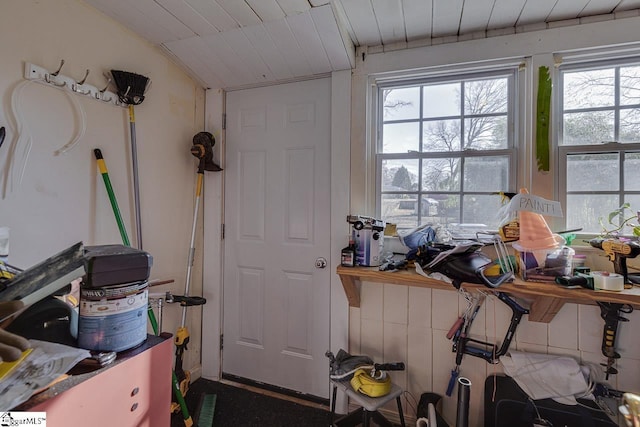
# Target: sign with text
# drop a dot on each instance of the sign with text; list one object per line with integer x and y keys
{"x": 23, "y": 419}
{"x": 539, "y": 205}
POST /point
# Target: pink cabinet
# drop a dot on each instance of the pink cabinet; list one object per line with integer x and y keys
{"x": 134, "y": 392}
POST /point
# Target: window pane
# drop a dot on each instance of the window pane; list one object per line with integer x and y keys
{"x": 400, "y": 137}
{"x": 434, "y": 129}
{"x": 441, "y": 174}
{"x": 482, "y": 209}
{"x": 632, "y": 172}
{"x": 634, "y": 204}
{"x": 441, "y": 135}
{"x": 486, "y": 133}
{"x": 597, "y": 181}
{"x": 593, "y": 127}
{"x": 485, "y": 96}
{"x": 441, "y": 100}
{"x": 401, "y": 104}
{"x": 584, "y": 210}
{"x": 488, "y": 174}
{"x": 400, "y": 175}
{"x": 630, "y": 125}
{"x": 400, "y": 209}
{"x": 450, "y": 209}
{"x": 586, "y": 89}
{"x": 630, "y": 85}
{"x": 593, "y": 172}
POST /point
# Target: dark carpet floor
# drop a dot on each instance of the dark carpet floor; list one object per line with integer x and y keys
{"x": 237, "y": 407}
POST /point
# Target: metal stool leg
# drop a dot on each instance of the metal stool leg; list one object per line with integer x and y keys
{"x": 333, "y": 405}
{"x": 365, "y": 418}
{"x": 400, "y": 411}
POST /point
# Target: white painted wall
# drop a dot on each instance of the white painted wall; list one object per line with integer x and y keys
{"x": 409, "y": 324}
{"x": 62, "y": 198}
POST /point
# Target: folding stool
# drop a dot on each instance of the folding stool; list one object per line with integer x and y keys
{"x": 368, "y": 406}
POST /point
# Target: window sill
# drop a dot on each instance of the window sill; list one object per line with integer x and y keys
{"x": 546, "y": 298}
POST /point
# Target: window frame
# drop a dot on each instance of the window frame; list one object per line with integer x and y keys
{"x": 619, "y": 148}
{"x": 510, "y": 71}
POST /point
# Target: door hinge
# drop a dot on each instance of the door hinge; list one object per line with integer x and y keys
{"x": 222, "y": 231}
{"x": 224, "y": 120}
{"x": 221, "y": 341}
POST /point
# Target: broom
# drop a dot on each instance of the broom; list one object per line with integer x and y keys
{"x": 131, "y": 89}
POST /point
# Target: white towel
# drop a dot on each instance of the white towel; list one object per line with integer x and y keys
{"x": 544, "y": 376}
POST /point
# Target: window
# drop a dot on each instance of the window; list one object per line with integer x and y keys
{"x": 599, "y": 140}
{"x": 445, "y": 148}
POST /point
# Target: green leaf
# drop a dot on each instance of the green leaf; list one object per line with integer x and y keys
{"x": 543, "y": 114}
{"x": 614, "y": 214}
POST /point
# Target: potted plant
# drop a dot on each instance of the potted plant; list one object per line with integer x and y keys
{"x": 619, "y": 219}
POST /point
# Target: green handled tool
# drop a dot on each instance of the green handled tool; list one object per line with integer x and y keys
{"x": 112, "y": 197}
{"x": 188, "y": 422}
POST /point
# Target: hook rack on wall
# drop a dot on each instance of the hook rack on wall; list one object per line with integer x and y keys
{"x": 42, "y": 75}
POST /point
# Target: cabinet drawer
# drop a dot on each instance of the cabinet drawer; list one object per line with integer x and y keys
{"x": 136, "y": 392}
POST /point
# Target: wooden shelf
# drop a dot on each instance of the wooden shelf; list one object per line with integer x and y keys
{"x": 546, "y": 298}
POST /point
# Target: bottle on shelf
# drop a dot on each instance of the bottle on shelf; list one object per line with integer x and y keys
{"x": 348, "y": 255}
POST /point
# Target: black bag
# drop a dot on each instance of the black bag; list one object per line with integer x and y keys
{"x": 513, "y": 408}
{"x": 467, "y": 266}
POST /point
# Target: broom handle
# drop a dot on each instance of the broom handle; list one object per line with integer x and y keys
{"x": 136, "y": 183}
{"x": 192, "y": 246}
{"x": 102, "y": 166}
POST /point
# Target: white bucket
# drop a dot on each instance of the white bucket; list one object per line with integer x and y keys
{"x": 113, "y": 318}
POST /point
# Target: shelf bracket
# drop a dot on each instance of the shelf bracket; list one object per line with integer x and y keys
{"x": 351, "y": 290}
{"x": 544, "y": 309}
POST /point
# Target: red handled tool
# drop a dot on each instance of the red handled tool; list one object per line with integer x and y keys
{"x": 459, "y": 342}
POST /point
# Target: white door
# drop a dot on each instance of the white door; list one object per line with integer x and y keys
{"x": 277, "y": 229}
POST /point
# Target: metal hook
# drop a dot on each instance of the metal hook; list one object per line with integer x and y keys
{"x": 81, "y": 82}
{"x": 76, "y": 88}
{"x": 59, "y": 68}
{"x": 108, "y": 77}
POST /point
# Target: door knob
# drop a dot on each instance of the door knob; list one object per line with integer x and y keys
{"x": 321, "y": 262}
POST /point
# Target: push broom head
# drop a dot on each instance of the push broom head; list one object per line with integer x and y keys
{"x": 131, "y": 87}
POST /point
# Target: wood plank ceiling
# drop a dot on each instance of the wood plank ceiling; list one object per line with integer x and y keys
{"x": 236, "y": 43}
